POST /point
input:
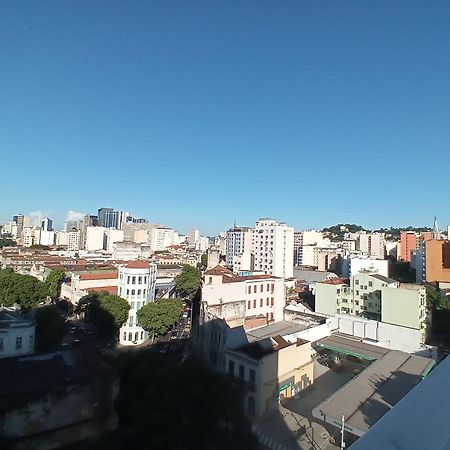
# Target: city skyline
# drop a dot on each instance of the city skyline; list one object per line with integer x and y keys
{"x": 200, "y": 115}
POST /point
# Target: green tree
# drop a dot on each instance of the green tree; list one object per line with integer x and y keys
{"x": 53, "y": 283}
{"x": 203, "y": 262}
{"x": 436, "y": 300}
{"x": 24, "y": 290}
{"x": 106, "y": 311}
{"x": 7, "y": 243}
{"x": 50, "y": 327}
{"x": 156, "y": 318}
{"x": 188, "y": 282}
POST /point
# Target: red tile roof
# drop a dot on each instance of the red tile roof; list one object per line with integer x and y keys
{"x": 334, "y": 281}
{"x": 220, "y": 270}
{"x": 98, "y": 276}
{"x": 138, "y": 265}
{"x": 109, "y": 289}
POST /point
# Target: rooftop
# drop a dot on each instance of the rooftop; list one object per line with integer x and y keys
{"x": 99, "y": 275}
{"x": 365, "y": 399}
{"x": 138, "y": 265}
{"x": 282, "y": 328}
{"x": 258, "y": 349}
{"x": 383, "y": 278}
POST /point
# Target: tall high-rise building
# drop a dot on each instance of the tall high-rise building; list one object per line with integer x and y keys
{"x": 47, "y": 224}
{"x": 109, "y": 218}
{"x": 238, "y": 246}
{"x": 102, "y": 216}
{"x": 19, "y": 219}
{"x": 273, "y": 248}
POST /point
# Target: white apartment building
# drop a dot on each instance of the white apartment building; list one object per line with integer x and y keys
{"x": 373, "y": 244}
{"x": 238, "y": 248}
{"x": 163, "y": 237}
{"x": 95, "y": 238}
{"x": 136, "y": 285}
{"x": 73, "y": 240}
{"x": 111, "y": 237}
{"x": 354, "y": 264}
{"x": 263, "y": 295}
{"x": 17, "y": 335}
{"x": 273, "y": 248}
{"x": 47, "y": 237}
{"x": 308, "y": 241}
{"x": 10, "y": 228}
{"x": 29, "y": 237}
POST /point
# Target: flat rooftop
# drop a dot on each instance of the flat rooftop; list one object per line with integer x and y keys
{"x": 282, "y": 328}
{"x": 408, "y": 425}
{"x": 369, "y": 396}
{"x": 348, "y": 345}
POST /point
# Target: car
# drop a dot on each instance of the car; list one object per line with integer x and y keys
{"x": 185, "y": 315}
{"x": 76, "y": 342}
{"x": 174, "y": 335}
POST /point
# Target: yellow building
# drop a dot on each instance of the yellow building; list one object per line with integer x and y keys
{"x": 271, "y": 369}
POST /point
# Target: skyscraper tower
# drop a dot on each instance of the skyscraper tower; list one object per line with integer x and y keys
{"x": 436, "y": 232}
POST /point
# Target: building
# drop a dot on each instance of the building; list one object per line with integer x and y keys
{"x": 271, "y": 368}
{"x": 375, "y": 297}
{"x": 353, "y": 264}
{"x": 273, "y": 248}
{"x": 19, "y": 220}
{"x": 437, "y": 262}
{"x": 74, "y": 240}
{"x": 369, "y": 396}
{"x": 137, "y": 286}
{"x": 111, "y": 237}
{"x": 54, "y": 400}
{"x": 47, "y": 224}
{"x": 373, "y": 244}
{"x": 109, "y": 218}
{"x": 410, "y": 240}
{"x": 17, "y": 334}
{"x": 162, "y": 237}
{"x": 95, "y": 238}
{"x": 47, "y": 238}
{"x": 239, "y": 248}
{"x": 261, "y": 295}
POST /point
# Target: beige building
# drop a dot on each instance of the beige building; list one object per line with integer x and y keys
{"x": 271, "y": 368}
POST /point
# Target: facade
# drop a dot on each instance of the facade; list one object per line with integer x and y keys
{"x": 95, "y": 238}
{"x": 437, "y": 261}
{"x": 353, "y": 264}
{"x": 74, "y": 240}
{"x": 238, "y": 248}
{"x": 263, "y": 295}
{"x": 162, "y": 237}
{"x": 372, "y": 244}
{"x": 273, "y": 248}
{"x": 47, "y": 238}
{"x": 17, "y": 335}
{"x": 271, "y": 369}
{"x": 137, "y": 286}
{"x": 109, "y": 218}
{"x": 111, "y": 237}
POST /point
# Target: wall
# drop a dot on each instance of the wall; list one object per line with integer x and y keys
{"x": 435, "y": 269}
{"x": 404, "y": 307}
{"x": 326, "y": 298}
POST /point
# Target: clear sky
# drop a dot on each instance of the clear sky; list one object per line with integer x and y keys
{"x": 202, "y": 113}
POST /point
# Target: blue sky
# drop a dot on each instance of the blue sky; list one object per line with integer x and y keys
{"x": 200, "y": 113}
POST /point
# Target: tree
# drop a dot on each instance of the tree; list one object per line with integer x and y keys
{"x": 156, "y": 318}
{"x": 188, "y": 282}
{"x": 50, "y": 327}
{"x": 203, "y": 262}
{"x": 106, "y": 311}
{"x": 24, "y": 290}
{"x": 53, "y": 283}
{"x": 157, "y": 391}
{"x": 7, "y": 243}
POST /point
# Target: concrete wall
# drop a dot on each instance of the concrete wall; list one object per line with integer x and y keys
{"x": 327, "y": 298}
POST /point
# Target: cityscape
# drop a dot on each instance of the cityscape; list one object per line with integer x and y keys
{"x": 310, "y": 330}
{"x": 223, "y": 225}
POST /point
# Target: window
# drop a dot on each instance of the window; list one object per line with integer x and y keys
{"x": 133, "y": 280}
{"x": 254, "y": 289}
{"x": 138, "y": 305}
{"x": 251, "y": 406}
{"x": 271, "y": 301}
{"x": 254, "y": 303}
{"x": 261, "y": 303}
{"x": 133, "y": 292}
{"x": 18, "y": 343}
{"x": 130, "y": 336}
{"x": 241, "y": 372}
{"x": 251, "y": 381}
{"x": 231, "y": 367}
{"x": 249, "y": 304}
{"x": 271, "y": 316}
{"x": 128, "y": 280}
{"x": 142, "y": 335}
{"x": 31, "y": 341}
{"x": 124, "y": 336}
{"x": 1, "y": 344}
{"x": 140, "y": 280}
{"x": 249, "y": 289}
{"x": 273, "y": 287}
{"x": 370, "y": 284}
{"x": 261, "y": 288}
{"x": 267, "y": 301}
{"x": 268, "y": 286}
{"x": 128, "y": 292}
{"x": 136, "y": 336}
{"x": 356, "y": 282}
{"x": 357, "y": 292}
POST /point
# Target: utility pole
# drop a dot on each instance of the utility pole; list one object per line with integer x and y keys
{"x": 342, "y": 433}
